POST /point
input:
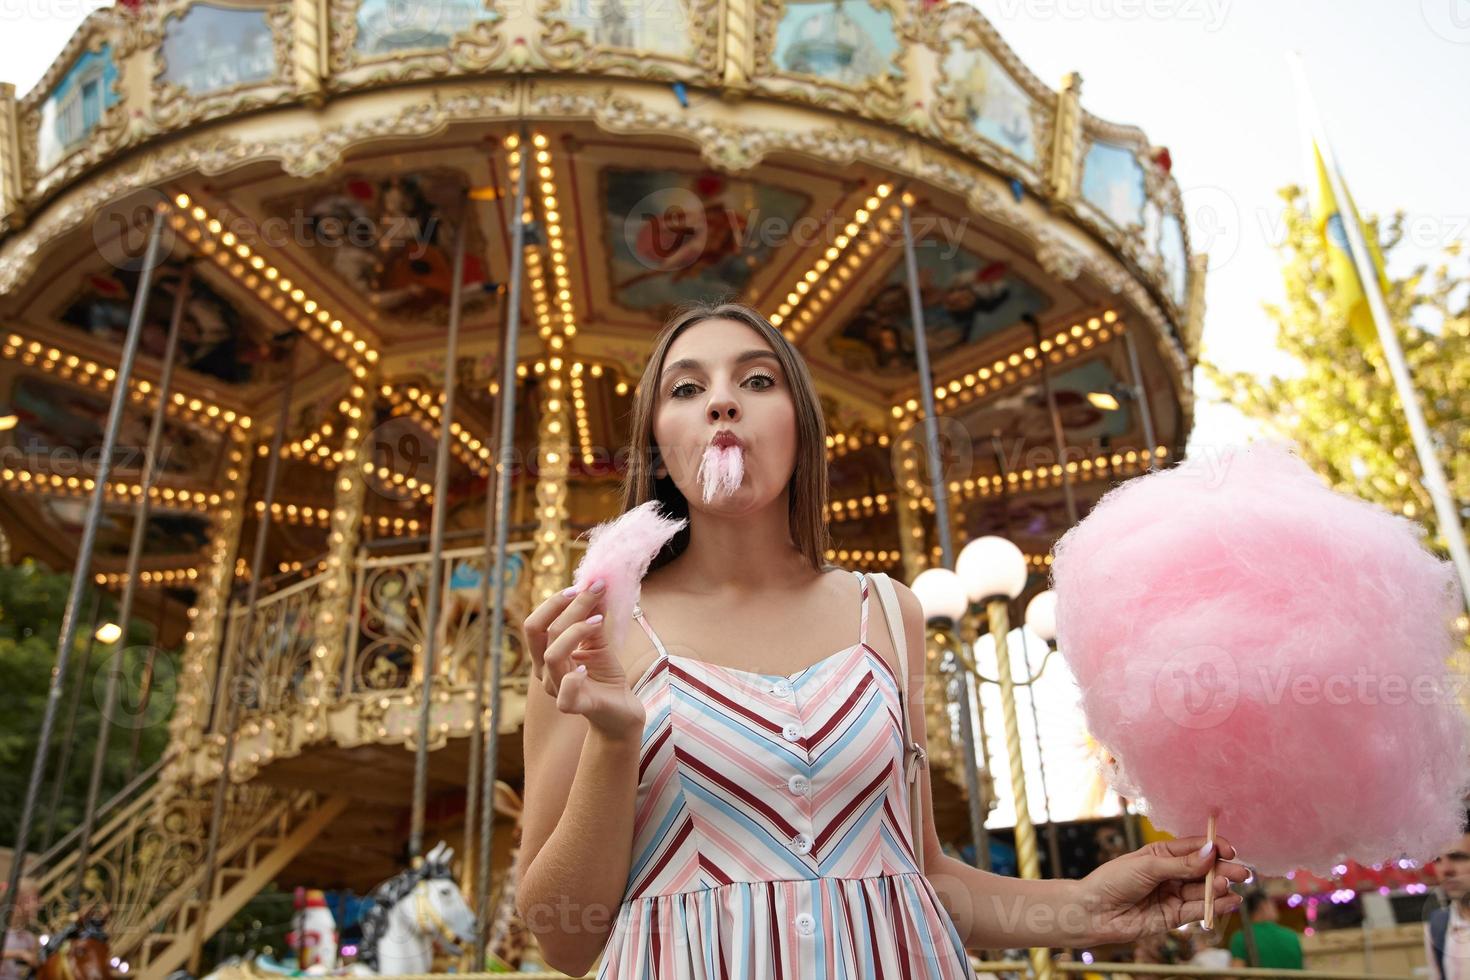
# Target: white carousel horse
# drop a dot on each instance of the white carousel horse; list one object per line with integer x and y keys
{"x": 410, "y": 913}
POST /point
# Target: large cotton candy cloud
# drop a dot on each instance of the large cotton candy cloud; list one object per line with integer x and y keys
{"x": 1252, "y": 644}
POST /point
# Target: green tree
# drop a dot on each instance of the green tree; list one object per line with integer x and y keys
{"x": 1341, "y": 409}
{"x": 32, "y": 602}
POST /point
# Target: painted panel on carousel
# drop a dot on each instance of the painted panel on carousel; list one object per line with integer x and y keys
{"x": 995, "y": 105}
{"x": 653, "y": 26}
{"x": 676, "y": 238}
{"x": 385, "y": 26}
{"x": 844, "y": 41}
{"x": 1176, "y": 263}
{"x": 216, "y": 338}
{"x": 209, "y": 48}
{"x": 60, "y": 429}
{"x": 1023, "y": 420}
{"x": 1112, "y": 181}
{"x": 168, "y": 534}
{"x": 965, "y": 298}
{"x": 390, "y": 240}
{"x": 75, "y": 106}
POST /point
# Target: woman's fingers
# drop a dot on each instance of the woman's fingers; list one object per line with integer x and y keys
{"x": 1194, "y": 911}
{"x": 548, "y": 620}
{"x": 1185, "y": 846}
{"x": 1193, "y": 890}
{"x": 1233, "y": 870}
{"x": 558, "y": 659}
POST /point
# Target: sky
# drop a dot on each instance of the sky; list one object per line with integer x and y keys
{"x": 1210, "y": 80}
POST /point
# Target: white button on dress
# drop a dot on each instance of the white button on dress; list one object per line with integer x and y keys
{"x": 781, "y": 688}
{"x": 801, "y": 843}
{"x": 798, "y": 784}
{"x": 806, "y": 924}
{"x": 791, "y": 732}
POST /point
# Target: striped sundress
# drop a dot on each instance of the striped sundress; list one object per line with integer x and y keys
{"x": 771, "y": 832}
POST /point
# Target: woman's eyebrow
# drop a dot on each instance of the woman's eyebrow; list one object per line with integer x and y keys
{"x": 697, "y": 365}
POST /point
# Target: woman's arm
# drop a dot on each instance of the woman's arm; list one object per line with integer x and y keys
{"x": 1150, "y": 889}
{"x": 582, "y": 733}
{"x": 576, "y": 833}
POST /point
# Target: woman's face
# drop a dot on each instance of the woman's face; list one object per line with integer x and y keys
{"x": 748, "y": 395}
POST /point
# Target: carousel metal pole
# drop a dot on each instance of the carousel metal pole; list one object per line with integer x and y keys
{"x": 940, "y": 494}
{"x": 436, "y": 543}
{"x": 1056, "y": 422}
{"x": 130, "y": 585}
{"x": 1141, "y": 394}
{"x": 84, "y": 559}
{"x": 79, "y": 680}
{"x": 227, "y": 713}
{"x": 1053, "y": 845}
{"x": 482, "y": 659}
{"x": 505, "y": 449}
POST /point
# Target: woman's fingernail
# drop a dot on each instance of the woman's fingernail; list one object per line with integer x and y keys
{"x": 1204, "y": 852}
{"x": 571, "y": 591}
{"x": 581, "y": 668}
{"x": 599, "y": 585}
{"x": 594, "y": 619}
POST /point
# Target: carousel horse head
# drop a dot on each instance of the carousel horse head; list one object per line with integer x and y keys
{"x": 79, "y": 951}
{"x": 412, "y": 912}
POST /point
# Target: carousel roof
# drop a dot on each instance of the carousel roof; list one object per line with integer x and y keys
{"x": 313, "y": 174}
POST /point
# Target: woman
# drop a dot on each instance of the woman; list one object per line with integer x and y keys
{"x": 722, "y": 797}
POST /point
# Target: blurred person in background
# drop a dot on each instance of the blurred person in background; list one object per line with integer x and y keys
{"x": 22, "y": 948}
{"x": 1447, "y": 929}
{"x": 1278, "y": 947}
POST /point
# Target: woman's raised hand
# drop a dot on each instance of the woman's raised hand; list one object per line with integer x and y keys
{"x": 572, "y": 660}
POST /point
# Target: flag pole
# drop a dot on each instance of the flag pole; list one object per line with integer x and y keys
{"x": 1434, "y": 480}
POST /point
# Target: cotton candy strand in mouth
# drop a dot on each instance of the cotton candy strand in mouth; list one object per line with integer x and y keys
{"x": 721, "y": 470}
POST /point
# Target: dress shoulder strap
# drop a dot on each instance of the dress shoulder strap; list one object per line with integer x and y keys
{"x": 863, "y": 617}
{"x": 914, "y": 758}
{"x": 652, "y": 636}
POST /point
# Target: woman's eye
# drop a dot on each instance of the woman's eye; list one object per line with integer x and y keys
{"x": 769, "y": 382}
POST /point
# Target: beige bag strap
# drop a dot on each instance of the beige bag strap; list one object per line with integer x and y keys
{"x": 914, "y": 757}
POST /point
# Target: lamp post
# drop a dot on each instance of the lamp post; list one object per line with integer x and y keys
{"x": 942, "y": 597}
{"x": 1041, "y": 619}
{"x": 993, "y": 572}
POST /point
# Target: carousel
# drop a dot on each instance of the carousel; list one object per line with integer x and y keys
{"x": 320, "y": 326}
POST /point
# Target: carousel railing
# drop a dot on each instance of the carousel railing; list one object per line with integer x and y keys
{"x": 385, "y": 633}
{"x": 58, "y": 862}
{"x": 270, "y": 652}
{"x": 390, "y": 597}
{"x": 144, "y": 867}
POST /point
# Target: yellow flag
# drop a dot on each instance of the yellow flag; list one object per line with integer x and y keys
{"x": 1347, "y": 287}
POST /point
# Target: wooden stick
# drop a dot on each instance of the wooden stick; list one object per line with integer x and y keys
{"x": 1209, "y": 922}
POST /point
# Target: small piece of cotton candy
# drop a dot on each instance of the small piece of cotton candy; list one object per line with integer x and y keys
{"x": 1252, "y": 644}
{"x": 619, "y": 552}
{"x": 720, "y": 471}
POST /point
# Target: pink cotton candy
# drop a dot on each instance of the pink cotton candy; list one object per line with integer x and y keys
{"x": 619, "y": 552}
{"x": 1251, "y": 643}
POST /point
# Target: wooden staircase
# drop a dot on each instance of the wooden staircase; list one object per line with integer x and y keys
{"x": 247, "y": 865}
{"x": 146, "y": 865}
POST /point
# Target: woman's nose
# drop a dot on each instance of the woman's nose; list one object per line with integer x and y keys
{"x": 717, "y": 412}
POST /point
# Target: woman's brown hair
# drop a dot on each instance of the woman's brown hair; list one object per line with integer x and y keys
{"x": 808, "y": 487}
